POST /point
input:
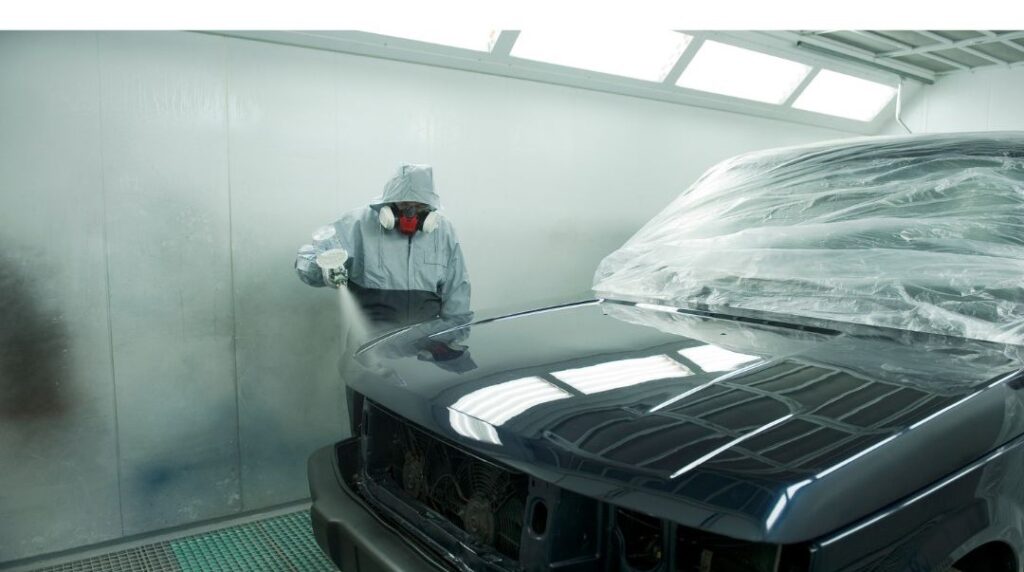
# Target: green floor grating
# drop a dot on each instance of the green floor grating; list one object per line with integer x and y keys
{"x": 283, "y": 543}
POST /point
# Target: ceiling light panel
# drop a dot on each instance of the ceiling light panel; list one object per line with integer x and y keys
{"x": 465, "y": 38}
{"x": 738, "y": 72}
{"x": 644, "y": 54}
{"x": 841, "y": 95}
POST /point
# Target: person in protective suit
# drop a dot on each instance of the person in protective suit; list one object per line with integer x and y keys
{"x": 404, "y": 264}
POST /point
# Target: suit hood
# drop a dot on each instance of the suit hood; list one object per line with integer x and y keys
{"x": 410, "y": 183}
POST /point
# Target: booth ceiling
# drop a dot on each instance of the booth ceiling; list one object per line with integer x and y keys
{"x": 841, "y": 79}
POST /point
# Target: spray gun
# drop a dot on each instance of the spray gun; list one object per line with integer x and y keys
{"x": 332, "y": 264}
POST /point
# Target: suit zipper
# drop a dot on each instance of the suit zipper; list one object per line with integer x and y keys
{"x": 408, "y": 280}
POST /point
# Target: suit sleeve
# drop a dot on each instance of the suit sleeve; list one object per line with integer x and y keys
{"x": 306, "y": 268}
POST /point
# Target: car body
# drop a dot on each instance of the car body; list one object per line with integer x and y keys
{"x": 624, "y": 434}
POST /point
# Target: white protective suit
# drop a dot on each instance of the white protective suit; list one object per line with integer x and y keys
{"x": 397, "y": 279}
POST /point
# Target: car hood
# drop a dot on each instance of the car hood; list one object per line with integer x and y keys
{"x": 737, "y": 426}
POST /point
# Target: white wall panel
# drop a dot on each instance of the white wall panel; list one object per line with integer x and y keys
{"x": 984, "y": 100}
{"x": 1006, "y": 100}
{"x": 166, "y": 178}
{"x": 284, "y": 183}
{"x": 58, "y": 449}
{"x": 949, "y": 109}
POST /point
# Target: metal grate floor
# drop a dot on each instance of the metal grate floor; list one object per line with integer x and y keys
{"x": 283, "y": 543}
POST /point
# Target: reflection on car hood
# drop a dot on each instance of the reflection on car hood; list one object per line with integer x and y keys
{"x": 737, "y": 427}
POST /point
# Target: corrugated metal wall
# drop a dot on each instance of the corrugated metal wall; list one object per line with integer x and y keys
{"x": 160, "y": 364}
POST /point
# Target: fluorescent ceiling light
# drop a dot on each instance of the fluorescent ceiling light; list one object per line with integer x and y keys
{"x": 466, "y": 38}
{"x": 497, "y": 404}
{"x": 738, "y": 72}
{"x": 713, "y": 358}
{"x": 645, "y": 54}
{"x": 834, "y": 93}
{"x": 622, "y": 373}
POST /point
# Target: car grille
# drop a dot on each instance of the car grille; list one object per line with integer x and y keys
{"x": 481, "y": 499}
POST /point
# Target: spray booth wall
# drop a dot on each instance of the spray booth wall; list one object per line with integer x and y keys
{"x": 980, "y": 100}
{"x": 160, "y": 364}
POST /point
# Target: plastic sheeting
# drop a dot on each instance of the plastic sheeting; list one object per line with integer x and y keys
{"x": 922, "y": 233}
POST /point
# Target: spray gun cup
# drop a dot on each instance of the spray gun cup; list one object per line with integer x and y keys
{"x": 332, "y": 263}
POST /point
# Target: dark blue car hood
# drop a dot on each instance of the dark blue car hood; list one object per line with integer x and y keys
{"x": 759, "y": 431}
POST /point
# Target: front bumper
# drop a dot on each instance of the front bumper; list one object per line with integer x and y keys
{"x": 347, "y": 530}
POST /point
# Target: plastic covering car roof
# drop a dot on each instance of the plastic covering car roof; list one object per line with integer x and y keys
{"x": 922, "y": 233}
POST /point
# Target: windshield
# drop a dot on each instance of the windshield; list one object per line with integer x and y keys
{"x": 923, "y": 233}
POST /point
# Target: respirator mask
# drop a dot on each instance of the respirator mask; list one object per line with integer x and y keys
{"x": 409, "y": 219}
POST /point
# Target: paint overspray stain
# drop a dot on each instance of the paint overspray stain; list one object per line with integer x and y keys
{"x": 35, "y": 369}
{"x": 182, "y": 484}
